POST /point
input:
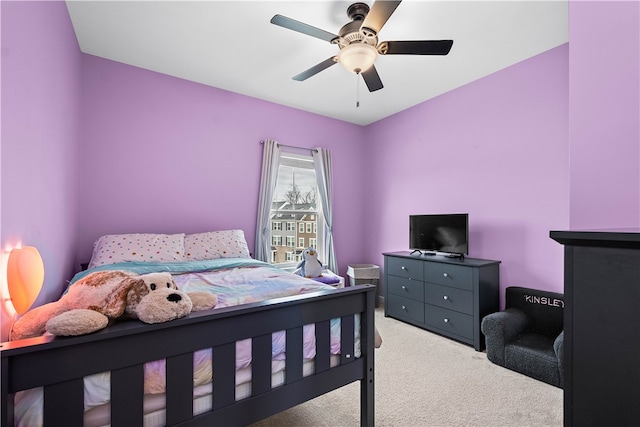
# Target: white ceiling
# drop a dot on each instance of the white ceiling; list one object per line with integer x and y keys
{"x": 232, "y": 45}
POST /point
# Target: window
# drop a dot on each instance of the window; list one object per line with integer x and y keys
{"x": 313, "y": 243}
{"x": 295, "y": 197}
{"x": 283, "y": 167}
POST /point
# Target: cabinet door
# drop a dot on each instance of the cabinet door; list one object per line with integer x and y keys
{"x": 449, "y": 275}
{"x": 602, "y": 319}
{"x": 405, "y": 308}
{"x": 449, "y": 298}
{"x": 403, "y": 267}
{"x": 406, "y": 288}
{"x": 449, "y": 321}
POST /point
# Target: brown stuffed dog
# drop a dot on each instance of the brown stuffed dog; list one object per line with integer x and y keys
{"x": 102, "y": 296}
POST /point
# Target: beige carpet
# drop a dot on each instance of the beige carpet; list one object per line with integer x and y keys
{"x": 423, "y": 379}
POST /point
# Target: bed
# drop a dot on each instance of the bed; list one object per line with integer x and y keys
{"x": 274, "y": 340}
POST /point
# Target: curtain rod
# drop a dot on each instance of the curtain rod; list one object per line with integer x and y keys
{"x": 293, "y": 146}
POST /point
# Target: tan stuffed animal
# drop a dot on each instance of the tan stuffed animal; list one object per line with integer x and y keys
{"x": 99, "y": 297}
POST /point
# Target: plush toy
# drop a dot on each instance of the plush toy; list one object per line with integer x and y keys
{"x": 103, "y": 296}
{"x": 310, "y": 266}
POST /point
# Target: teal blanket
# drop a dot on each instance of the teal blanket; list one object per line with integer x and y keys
{"x": 175, "y": 267}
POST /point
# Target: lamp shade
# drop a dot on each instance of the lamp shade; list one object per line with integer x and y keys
{"x": 357, "y": 57}
{"x": 25, "y": 276}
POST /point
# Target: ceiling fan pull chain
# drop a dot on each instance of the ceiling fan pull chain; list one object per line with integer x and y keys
{"x": 357, "y": 90}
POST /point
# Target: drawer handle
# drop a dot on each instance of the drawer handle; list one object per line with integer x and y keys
{"x": 446, "y": 320}
{"x": 404, "y": 288}
{"x": 404, "y": 307}
{"x": 445, "y": 275}
{"x": 446, "y": 298}
{"x": 403, "y": 267}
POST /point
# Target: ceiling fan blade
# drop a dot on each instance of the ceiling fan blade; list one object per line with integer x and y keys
{"x": 416, "y": 47}
{"x": 303, "y": 28}
{"x": 379, "y": 14}
{"x": 315, "y": 69}
{"x": 372, "y": 79}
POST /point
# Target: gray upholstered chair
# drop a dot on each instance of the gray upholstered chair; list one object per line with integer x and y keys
{"x": 528, "y": 336}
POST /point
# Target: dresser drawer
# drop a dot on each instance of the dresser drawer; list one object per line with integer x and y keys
{"x": 449, "y": 275}
{"x": 407, "y": 288}
{"x": 405, "y": 308}
{"x": 403, "y": 267}
{"x": 449, "y": 298}
{"x": 449, "y": 321}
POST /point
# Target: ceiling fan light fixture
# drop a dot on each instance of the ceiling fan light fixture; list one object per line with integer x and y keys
{"x": 357, "y": 57}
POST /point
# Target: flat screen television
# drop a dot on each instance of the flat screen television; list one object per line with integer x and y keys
{"x": 448, "y": 233}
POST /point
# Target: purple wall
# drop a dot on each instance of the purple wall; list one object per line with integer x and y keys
{"x": 40, "y": 111}
{"x": 148, "y": 152}
{"x": 497, "y": 149}
{"x": 605, "y": 114}
{"x": 161, "y": 154}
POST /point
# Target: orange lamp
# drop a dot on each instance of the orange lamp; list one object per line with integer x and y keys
{"x": 25, "y": 276}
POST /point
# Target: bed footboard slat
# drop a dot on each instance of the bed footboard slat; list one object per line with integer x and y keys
{"x": 64, "y": 403}
{"x": 224, "y": 375}
{"x": 323, "y": 346}
{"x": 127, "y": 389}
{"x": 261, "y": 364}
{"x": 293, "y": 361}
{"x": 179, "y": 374}
{"x": 347, "y": 339}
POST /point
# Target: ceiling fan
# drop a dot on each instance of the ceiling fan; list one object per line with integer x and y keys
{"x": 358, "y": 42}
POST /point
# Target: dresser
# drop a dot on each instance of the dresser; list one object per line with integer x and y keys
{"x": 601, "y": 327}
{"x": 449, "y": 296}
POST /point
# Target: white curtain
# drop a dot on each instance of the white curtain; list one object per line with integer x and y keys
{"x": 268, "y": 179}
{"x": 322, "y": 165}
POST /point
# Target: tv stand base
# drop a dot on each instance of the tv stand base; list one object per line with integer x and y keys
{"x": 422, "y": 253}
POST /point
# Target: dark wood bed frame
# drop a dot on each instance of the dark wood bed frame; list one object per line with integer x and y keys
{"x": 59, "y": 364}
